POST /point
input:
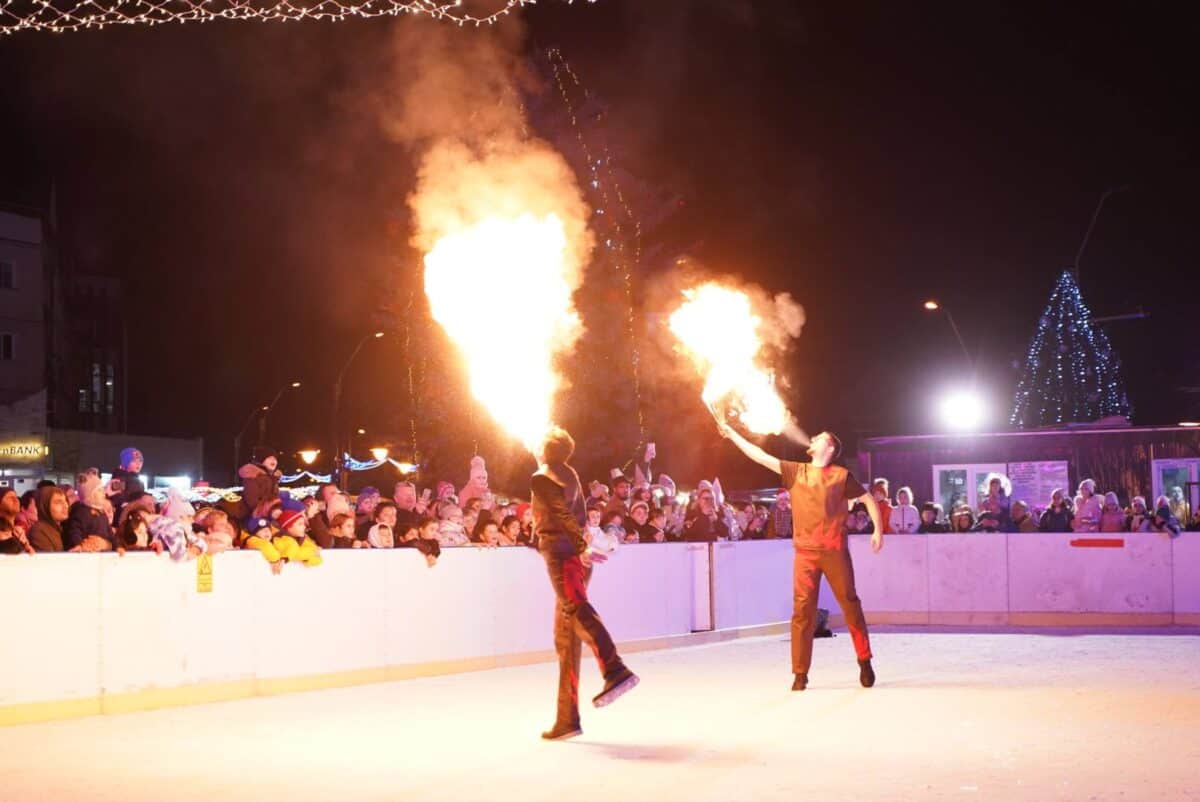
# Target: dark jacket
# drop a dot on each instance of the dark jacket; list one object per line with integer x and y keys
{"x": 934, "y": 528}
{"x": 258, "y": 486}
{"x": 318, "y": 530}
{"x": 702, "y": 529}
{"x": 46, "y": 534}
{"x": 131, "y": 484}
{"x": 84, "y": 521}
{"x": 558, "y": 510}
{"x": 1055, "y": 520}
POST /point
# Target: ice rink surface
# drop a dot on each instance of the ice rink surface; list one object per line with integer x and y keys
{"x": 955, "y": 715}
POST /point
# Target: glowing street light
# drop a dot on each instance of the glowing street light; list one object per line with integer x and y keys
{"x": 309, "y": 455}
{"x": 932, "y": 305}
{"x": 380, "y": 454}
{"x": 962, "y": 410}
{"x": 406, "y": 467}
{"x": 1190, "y": 424}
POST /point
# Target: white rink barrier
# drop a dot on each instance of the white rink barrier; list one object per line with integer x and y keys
{"x": 88, "y": 634}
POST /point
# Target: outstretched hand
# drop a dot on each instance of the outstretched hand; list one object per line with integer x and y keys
{"x": 876, "y": 542}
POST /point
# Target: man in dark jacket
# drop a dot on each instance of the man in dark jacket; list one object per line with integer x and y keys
{"x": 705, "y": 525}
{"x": 126, "y": 480}
{"x": 559, "y": 514}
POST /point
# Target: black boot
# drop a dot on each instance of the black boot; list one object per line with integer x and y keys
{"x": 615, "y": 686}
{"x": 866, "y": 674}
{"x": 800, "y": 683}
{"x": 561, "y": 732}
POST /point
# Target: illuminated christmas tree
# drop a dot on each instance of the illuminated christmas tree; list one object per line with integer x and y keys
{"x": 1071, "y": 374}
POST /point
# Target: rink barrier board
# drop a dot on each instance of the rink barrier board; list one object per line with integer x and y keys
{"x": 105, "y": 634}
{"x": 208, "y": 693}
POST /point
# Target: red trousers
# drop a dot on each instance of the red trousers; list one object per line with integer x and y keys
{"x": 835, "y": 564}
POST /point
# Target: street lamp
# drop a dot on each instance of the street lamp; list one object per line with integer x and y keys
{"x": 309, "y": 455}
{"x": 339, "y": 473}
{"x": 237, "y": 440}
{"x": 380, "y": 454}
{"x": 932, "y": 305}
{"x": 262, "y": 422}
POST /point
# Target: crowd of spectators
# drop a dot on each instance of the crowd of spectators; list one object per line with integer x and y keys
{"x": 997, "y": 511}
{"x": 120, "y": 515}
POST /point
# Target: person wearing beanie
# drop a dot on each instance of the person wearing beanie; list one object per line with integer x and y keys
{"x": 930, "y": 525}
{"x": 260, "y": 481}
{"x": 126, "y": 480}
{"x": 622, "y": 489}
{"x": 477, "y": 484}
{"x": 1164, "y": 522}
{"x": 293, "y": 542}
{"x": 259, "y": 533}
{"x": 88, "y": 528}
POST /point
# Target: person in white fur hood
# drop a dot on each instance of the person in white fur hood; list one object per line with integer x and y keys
{"x": 905, "y": 517}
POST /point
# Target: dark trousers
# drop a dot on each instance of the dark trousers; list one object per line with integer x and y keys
{"x": 576, "y": 622}
{"x": 809, "y": 565}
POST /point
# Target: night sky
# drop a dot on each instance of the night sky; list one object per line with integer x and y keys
{"x": 862, "y": 158}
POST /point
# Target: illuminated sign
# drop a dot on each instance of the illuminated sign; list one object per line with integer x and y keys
{"x": 23, "y": 451}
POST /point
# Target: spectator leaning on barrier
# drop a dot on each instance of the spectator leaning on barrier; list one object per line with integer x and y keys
{"x": 87, "y": 528}
{"x": 10, "y": 511}
{"x": 1138, "y": 519}
{"x": 1021, "y": 520}
{"x": 781, "y": 516}
{"x": 1112, "y": 517}
{"x": 1057, "y": 517}
{"x": 1087, "y": 508}
{"x": 930, "y": 525}
{"x": 9, "y": 542}
{"x": 1164, "y": 522}
{"x": 904, "y": 518}
{"x": 962, "y": 519}
{"x": 52, "y": 512}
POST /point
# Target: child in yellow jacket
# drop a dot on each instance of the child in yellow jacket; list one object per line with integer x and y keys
{"x": 293, "y": 541}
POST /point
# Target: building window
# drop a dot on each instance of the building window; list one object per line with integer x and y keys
{"x": 8, "y": 275}
{"x": 96, "y": 392}
{"x": 110, "y": 384}
{"x": 83, "y": 399}
{"x": 6, "y": 347}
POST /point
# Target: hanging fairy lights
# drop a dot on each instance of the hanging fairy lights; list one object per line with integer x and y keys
{"x": 601, "y": 179}
{"x": 1072, "y": 373}
{"x": 59, "y": 16}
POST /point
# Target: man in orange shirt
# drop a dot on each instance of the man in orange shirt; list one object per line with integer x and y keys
{"x": 821, "y": 494}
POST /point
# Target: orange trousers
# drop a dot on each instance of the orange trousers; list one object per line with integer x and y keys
{"x": 835, "y": 564}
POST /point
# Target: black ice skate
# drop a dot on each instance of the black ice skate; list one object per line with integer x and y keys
{"x": 866, "y": 674}
{"x": 562, "y": 732}
{"x": 616, "y": 686}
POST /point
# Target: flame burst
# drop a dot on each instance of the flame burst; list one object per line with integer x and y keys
{"x": 717, "y": 327}
{"x": 520, "y": 265}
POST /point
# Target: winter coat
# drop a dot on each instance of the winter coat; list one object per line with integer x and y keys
{"x": 84, "y": 521}
{"x": 1087, "y": 513}
{"x": 1026, "y": 524}
{"x": 702, "y": 529}
{"x": 175, "y": 537}
{"x": 318, "y": 530}
{"x": 904, "y": 520}
{"x": 452, "y": 534}
{"x": 1055, "y": 520}
{"x": 1112, "y": 521}
{"x": 46, "y": 534}
{"x": 258, "y": 487}
{"x": 934, "y": 528}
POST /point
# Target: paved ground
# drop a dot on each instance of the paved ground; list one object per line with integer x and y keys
{"x": 1014, "y": 716}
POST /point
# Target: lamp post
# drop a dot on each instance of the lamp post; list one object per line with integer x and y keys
{"x": 339, "y": 474}
{"x": 933, "y": 306}
{"x": 237, "y": 440}
{"x": 262, "y": 422}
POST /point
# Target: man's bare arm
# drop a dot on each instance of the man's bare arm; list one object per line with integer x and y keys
{"x": 750, "y": 450}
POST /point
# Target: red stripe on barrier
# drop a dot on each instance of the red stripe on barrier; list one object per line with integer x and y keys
{"x": 1098, "y": 543}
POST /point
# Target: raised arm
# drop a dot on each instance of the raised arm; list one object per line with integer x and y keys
{"x": 749, "y": 449}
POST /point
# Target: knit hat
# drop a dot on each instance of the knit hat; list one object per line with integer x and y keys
{"x": 87, "y": 484}
{"x": 256, "y": 525}
{"x": 444, "y": 489}
{"x": 522, "y": 508}
{"x": 128, "y": 455}
{"x": 637, "y": 504}
{"x": 616, "y": 475}
{"x": 1163, "y": 512}
{"x": 288, "y": 503}
{"x": 260, "y": 454}
{"x": 177, "y": 507}
{"x": 288, "y": 518}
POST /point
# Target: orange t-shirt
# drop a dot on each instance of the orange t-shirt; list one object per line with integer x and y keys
{"x": 820, "y": 503}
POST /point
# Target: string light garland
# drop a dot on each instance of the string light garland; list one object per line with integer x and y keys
{"x": 59, "y": 16}
{"x": 600, "y": 170}
{"x": 1072, "y": 373}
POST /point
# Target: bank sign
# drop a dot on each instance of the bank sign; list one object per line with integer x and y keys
{"x": 22, "y": 451}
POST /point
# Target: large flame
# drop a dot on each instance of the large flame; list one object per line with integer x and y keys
{"x": 717, "y": 327}
{"x": 502, "y": 291}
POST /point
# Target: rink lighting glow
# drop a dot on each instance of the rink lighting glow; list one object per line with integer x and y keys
{"x": 1190, "y": 424}
{"x": 962, "y": 410}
